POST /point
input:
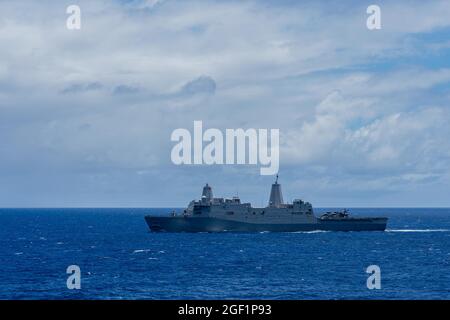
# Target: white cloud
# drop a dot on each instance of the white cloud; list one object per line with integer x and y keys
{"x": 107, "y": 97}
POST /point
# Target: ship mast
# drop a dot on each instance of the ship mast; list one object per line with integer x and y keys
{"x": 276, "y": 197}
{"x": 207, "y": 193}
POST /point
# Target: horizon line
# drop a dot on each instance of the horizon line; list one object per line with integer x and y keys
{"x": 158, "y": 207}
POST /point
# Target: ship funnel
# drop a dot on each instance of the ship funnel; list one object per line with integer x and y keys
{"x": 207, "y": 193}
{"x": 276, "y": 198}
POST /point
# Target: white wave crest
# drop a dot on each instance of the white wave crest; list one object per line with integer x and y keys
{"x": 313, "y": 231}
{"x": 417, "y": 230}
{"x": 141, "y": 250}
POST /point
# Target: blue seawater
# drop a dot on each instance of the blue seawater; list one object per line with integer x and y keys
{"x": 120, "y": 259}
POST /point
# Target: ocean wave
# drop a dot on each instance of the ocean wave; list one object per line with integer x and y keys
{"x": 417, "y": 230}
{"x": 141, "y": 250}
{"x": 313, "y": 231}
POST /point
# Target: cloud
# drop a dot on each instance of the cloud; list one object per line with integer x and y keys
{"x": 359, "y": 112}
{"x": 77, "y": 88}
{"x": 124, "y": 89}
{"x": 358, "y": 129}
{"x": 202, "y": 84}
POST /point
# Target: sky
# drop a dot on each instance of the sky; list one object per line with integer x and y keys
{"x": 86, "y": 115}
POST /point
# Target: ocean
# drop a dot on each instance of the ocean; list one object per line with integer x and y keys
{"x": 120, "y": 259}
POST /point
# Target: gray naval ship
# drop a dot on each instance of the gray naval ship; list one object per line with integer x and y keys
{"x": 211, "y": 214}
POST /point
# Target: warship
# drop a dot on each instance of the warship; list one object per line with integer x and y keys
{"x": 211, "y": 214}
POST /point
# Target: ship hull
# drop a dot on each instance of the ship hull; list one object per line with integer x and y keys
{"x": 209, "y": 224}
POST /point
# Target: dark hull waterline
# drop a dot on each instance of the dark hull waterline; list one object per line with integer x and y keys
{"x": 208, "y": 224}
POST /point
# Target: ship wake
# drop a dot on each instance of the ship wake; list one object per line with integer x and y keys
{"x": 417, "y": 230}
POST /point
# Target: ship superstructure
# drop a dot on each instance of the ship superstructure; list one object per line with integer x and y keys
{"x": 211, "y": 214}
